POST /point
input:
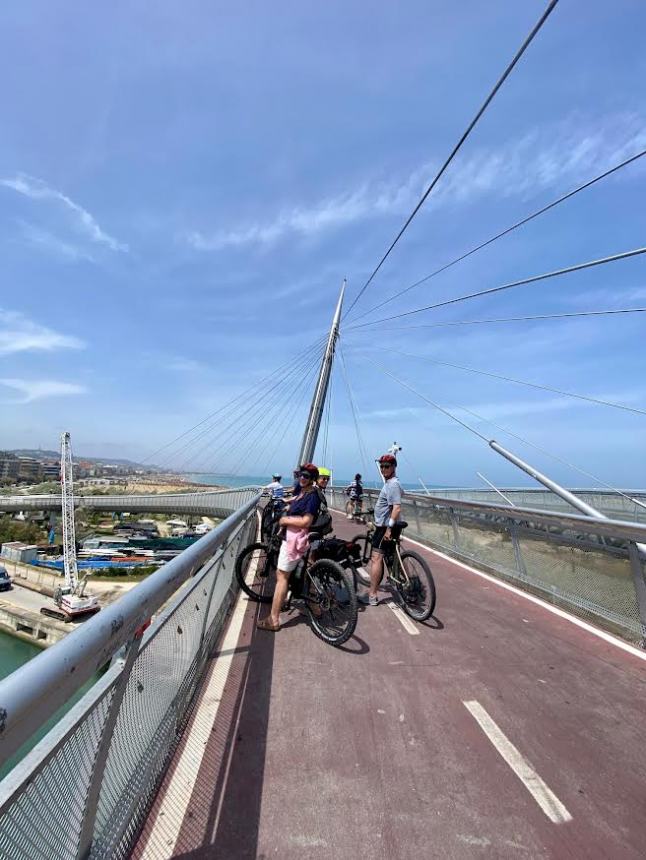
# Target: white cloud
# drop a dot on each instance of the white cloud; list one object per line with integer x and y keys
{"x": 38, "y": 389}
{"x": 568, "y": 151}
{"x": 185, "y": 365}
{"x": 44, "y": 239}
{"x": 36, "y": 189}
{"x": 19, "y": 334}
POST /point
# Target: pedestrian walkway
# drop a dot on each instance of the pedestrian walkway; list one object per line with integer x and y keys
{"x": 496, "y": 729}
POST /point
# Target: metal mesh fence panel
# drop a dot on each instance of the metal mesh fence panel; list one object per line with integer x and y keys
{"x": 44, "y": 822}
{"x": 488, "y": 541}
{"x": 160, "y": 687}
{"x": 430, "y": 524}
{"x": 598, "y": 584}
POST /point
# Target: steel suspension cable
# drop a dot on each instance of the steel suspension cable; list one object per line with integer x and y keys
{"x": 363, "y": 452}
{"x": 297, "y": 399}
{"x": 242, "y": 396}
{"x": 267, "y": 419}
{"x": 504, "y": 430}
{"x": 290, "y": 423}
{"x": 506, "y": 232}
{"x": 613, "y": 258}
{"x": 521, "y": 319}
{"x": 256, "y": 405}
{"x": 428, "y": 400}
{"x": 553, "y": 456}
{"x": 456, "y": 148}
{"x": 596, "y": 400}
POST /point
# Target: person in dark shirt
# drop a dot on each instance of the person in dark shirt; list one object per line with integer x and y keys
{"x": 354, "y": 491}
{"x": 301, "y": 513}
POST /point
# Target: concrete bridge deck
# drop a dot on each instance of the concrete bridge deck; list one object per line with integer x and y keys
{"x": 498, "y": 729}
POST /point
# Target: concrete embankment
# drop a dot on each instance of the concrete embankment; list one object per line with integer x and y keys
{"x": 33, "y": 587}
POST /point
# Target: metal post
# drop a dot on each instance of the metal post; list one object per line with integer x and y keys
{"x": 454, "y": 524}
{"x": 103, "y": 750}
{"x": 569, "y": 497}
{"x": 417, "y": 520}
{"x": 575, "y": 501}
{"x": 640, "y": 585}
{"x": 493, "y": 487}
{"x": 520, "y": 564}
{"x": 320, "y": 392}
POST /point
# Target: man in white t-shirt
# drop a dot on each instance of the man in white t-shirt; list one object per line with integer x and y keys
{"x": 387, "y": 513}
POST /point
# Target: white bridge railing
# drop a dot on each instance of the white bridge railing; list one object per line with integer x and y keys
{"x": 84, "y": 790}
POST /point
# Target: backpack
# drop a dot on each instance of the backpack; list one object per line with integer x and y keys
{"x": 322, "y": 525}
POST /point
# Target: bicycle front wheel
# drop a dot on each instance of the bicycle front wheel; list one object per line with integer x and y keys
{"x": 331, "y": 602}
{"x": 266, "y": 522}
{"x": 417, "y": 591}
{"x": 256, "y": 571}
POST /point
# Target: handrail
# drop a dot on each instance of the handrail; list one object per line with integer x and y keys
{"x": 629, "y": 531}
{"x": 57, "y": 673}
{"x": 52, "y": 501}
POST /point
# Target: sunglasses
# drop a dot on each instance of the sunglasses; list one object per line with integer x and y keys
{"x": 386, "y": 466}
{"x": 307, "y": 476}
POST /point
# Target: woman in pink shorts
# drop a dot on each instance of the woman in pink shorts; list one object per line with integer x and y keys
{"x": 301, "y": 513}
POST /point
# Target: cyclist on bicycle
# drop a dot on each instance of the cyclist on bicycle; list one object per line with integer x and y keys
{"x": 354, "y": 491}
{"x": 301, "y": 513}
{"x": 387, "y": 511}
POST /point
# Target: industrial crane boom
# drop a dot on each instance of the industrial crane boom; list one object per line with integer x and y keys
{"x": 69, "y": 532}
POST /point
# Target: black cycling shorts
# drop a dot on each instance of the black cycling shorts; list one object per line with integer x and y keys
{"x": 378, "y": 537}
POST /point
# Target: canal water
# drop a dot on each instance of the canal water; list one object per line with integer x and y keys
{"x": 14, "y": 653}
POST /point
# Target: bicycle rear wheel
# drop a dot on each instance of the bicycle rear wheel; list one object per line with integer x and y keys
{"x": 331, "y": 602}
{"x": 256, "y": 571}
{"x": 418, "y": 592}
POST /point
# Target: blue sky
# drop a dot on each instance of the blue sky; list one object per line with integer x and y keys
{"x": 184, "y": 187}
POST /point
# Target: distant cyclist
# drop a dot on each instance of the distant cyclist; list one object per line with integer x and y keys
{"x": 276, "y": 489}
{"x": 387, "y": 512}
{"x": 354, "y": 491}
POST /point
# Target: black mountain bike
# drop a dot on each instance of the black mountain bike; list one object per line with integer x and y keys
{"x": 326, "y": 589}
{"x": 407, "y": 573}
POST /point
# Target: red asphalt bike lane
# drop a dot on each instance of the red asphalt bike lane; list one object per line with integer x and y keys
{"x": 369, "y": 750}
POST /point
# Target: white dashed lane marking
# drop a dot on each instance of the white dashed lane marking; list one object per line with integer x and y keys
{"x": 540, "y": 791}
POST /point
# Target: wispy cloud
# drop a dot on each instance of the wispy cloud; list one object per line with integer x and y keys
{"x": 571, "y": 150}
{"x": 185, "y": 365}
{"x": 505, "y": 409}
{"x": 19, "y": 334}
{"x": 37, "y": 189}
{"x": 44, "y": 239}
{"x": 38, "y": 389}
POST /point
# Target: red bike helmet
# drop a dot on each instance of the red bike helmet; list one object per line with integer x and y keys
{"x": 389, "y": 459}
{"x": 310, "y": 470}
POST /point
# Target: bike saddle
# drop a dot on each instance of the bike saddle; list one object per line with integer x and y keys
{"x": 402, "y": 525}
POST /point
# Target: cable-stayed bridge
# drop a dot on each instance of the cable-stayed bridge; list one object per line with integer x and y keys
{"x": 506, "y": 725}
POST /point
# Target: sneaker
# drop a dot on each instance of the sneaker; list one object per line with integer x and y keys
{"x": 368, "y": 599}
{"x": 348, "y": 516}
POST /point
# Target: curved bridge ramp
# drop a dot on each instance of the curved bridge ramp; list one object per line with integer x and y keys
{"x": 500, "y": 728}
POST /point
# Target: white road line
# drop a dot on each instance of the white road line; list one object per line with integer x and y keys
{"x": 172, "y": 810}
{"x": 540, "y": 791}
{"x": 555, "y": 610}
{"x": 403, "y": 619}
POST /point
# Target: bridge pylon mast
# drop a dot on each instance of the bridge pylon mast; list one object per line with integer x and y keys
{"x": 320, "y": 392}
